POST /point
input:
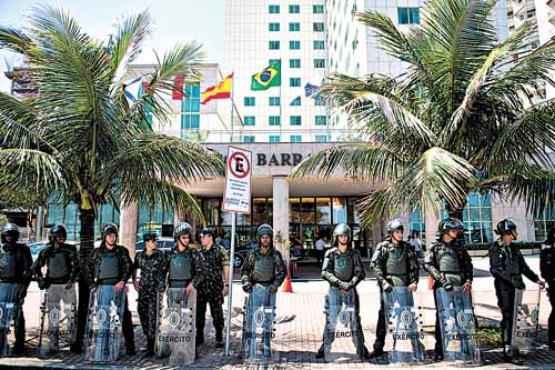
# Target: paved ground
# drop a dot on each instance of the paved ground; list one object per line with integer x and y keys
{"x": 299, "y": 330}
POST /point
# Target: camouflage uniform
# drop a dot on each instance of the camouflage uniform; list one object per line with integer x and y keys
{"x": 151, "y": 282}
{"x": 210, "y": 290}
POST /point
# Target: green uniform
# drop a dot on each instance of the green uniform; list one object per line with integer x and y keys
{"x": 266, "y": 269}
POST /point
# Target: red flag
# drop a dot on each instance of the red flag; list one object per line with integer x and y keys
{"x": 177, "y": 92}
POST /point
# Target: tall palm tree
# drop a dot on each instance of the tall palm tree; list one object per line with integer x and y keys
{"x": 80, "y": 137}
{"x": 460, "y": 119}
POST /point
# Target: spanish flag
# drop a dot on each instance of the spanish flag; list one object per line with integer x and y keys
{"x": 219, "y": 91}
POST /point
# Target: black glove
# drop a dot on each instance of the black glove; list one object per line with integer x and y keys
{"x": 247, "y": 287}
{"x": 69, "y": 285}
{"x": 21, "y": 292}
{"x": 386, "y": 286}
{"x": 43, "y": 284}
{"x": 161, "y": 289}
{"x": 518, "y": 283}
{"x": 447, "y": 286}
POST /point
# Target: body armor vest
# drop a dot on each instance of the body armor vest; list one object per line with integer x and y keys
{"x": 448, "y": 261}
{"x": 8, "y": 270}
{"x": 58, "y": 265}
{"x": 263, "y": 268}
{"x": 344, "y": 266}
{"x": 108, "y": 268}
{"x": 181, "y": 267}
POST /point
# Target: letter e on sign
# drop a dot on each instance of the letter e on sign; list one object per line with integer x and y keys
{"x": 237, "y": 192}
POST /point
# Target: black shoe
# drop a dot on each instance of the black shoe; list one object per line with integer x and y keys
{"x": 219, "y": 344}
{"x": 377, "y": 353}
{"x": 552, "y": 346}
{"x": 199, "y": 341}
{"x": 438, "y": 357}
{"x": 131, "y": 352}
{"x": 76, "y": 348}
{"x": 321, "y": 354}
{"x": 365, "y": 355}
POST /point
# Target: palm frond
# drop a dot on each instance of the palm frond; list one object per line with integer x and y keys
{"x": 533, "y": 185}
{"x": 364, "y": 161}
{"x": 15, "y": 40}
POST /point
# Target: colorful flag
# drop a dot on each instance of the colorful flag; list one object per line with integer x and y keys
{"x": 296, "y": 101}
{"x": 310, "y": 89}
{"x": 269, "y": 77}
{"x": 177, "y": 91}
{"x": 219, "y": 91}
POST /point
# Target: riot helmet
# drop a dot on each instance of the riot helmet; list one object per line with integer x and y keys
{"x": 57, "y": 231}
{"x": 506, "y": 226}
{"x": 341, "y": 229}
{"x": 264, "y": 229}
{"x": 182, "y": 228}
{"x": 394, "y": 225}
{"x": 449, "y": 224}
{"x": 10, "y": 229}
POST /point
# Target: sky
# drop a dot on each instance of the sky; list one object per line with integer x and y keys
{"x": 174, "y": 21}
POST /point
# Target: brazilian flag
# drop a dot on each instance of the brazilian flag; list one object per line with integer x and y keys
{"x": 269, "y": 77}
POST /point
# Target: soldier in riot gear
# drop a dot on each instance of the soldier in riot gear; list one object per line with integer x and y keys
{"x": 396, "y": 264}
{"x": 450, "y": 265}
{"x": 111, "y": 265}
{"x": 264, "y": 265}
{"x": 62, "y": 272}
{"x": 15, "y": 276}
{"x": 184, "y": 270}
{"x": 507, "y": 265}
{"x": 547, "y": 269}
{"x": 213, "y": 287}
{"x": 150, "y": 282}
{"x": 343, "y": 270}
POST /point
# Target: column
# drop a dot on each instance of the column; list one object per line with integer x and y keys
{"x": 431, "y": 219}
{"x": 129, "y": 216}
{"x": 280, "y": 194}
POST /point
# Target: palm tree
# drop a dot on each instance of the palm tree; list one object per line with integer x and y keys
{"x": 460, "y": 119}
{"x": 80, "y": 137}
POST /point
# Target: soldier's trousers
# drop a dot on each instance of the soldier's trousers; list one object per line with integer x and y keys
{"x": 216, "y": 309}
{"x": 506, "y": 302}
{"x": 551, "y": 321}
{"x": 381, "y": 328}
{"x": 127, "y": 328}
{"x": 148, "y": 310}
{"x": 58, "y": 293}
{"x": 334, "y": 301}
{"x": 438, "y": 348}
{"x": 9, "y": 292}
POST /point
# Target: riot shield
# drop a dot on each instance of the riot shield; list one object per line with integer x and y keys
{"x": 176, "y": 333}
{"x": 7, "y": 312}
{"x": 525, "y": 319}
{"x": 57, "y": 322}
{"x": 342, "y": 320}
{"x": 104, "y": 324}
{"x": 258, "y": 321}
{"x": 402, "y": 321}
{"x": 458, "y": 327}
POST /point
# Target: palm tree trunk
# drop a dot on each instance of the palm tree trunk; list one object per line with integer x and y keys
{"x": 87, "y": 218}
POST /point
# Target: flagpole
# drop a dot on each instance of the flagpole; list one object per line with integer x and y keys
{"x": 280, "y": 99}
{"x": 232, "y": 104}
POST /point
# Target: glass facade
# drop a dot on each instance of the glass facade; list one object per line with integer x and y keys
{"x": 417, "y": 224}
{"x": 274, "y": 101}
{"x": 190, "y": 109}
{"x": 543, "y": 223}
{"x": 319, "y": 44}
{"x": 274, "y": 120}
{"x": 58, "y": 213}
{"x": 250, "y": 101}
{"x": 408, "y": 15}
{"x": 152, "y": 218}
{"x": 294, "y": 45}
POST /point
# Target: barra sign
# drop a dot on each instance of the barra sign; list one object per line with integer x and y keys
{"x": 238, "y": 171}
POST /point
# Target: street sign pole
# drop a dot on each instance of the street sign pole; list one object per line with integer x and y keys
{"x": 230, "y": 294}
{"x": 237, "y": 199}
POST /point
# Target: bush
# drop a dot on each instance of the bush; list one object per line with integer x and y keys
{"x": 3, "y": 219}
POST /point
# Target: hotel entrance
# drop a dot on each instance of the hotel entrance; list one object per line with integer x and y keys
{"x": 310, "y": 218}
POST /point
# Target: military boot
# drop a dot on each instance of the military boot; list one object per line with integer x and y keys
{"x": 321, "y": 354}
{"x": 219, "y": 339}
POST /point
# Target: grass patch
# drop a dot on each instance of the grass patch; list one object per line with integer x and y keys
{"x": 489, "y": 337}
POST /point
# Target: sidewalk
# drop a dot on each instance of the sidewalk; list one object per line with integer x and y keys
{"x": 299, "y": 327}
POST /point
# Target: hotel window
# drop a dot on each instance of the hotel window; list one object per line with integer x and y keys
{"x": 318, "y": 27}
{"x": 248, "y": 138}
{"x": 294, "y": 27}
{"x": 477, "y": 219}
{"x": 321, "y": 138}
{"x": 417, "y": 223}
{"x": 294, "y": 63}
{"x": 294, "y": 9}
{"x": 295, "y": 138}
{"x": 408, "y": 15}
{"x": 318, "y": 9}
{"x": 295, "y": 120}
{"x": 250, "y": 101}
{"x": 294, "y": 45}
{"x": 319, "y": 45}
{"x": 250, "y": 120}
{"x": 273, "y": 27}
{"x": 190, "y": 108}
{"x": 273, "y": 61}
{"x": 319, "y": 101}
{"x": 274, "y": 120}
{"x": 294, "y": 82}
{"x": 320, "y": 120}
{"x": 274, "y": 101}
{"x": 273, "y": 45}
{"x": 274, "y": 9}
{"x": 543, "y": 223}
{"x": 319, "y": 63}
{"x": 275, "y": 139}
{"x": 296, "y": 102}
